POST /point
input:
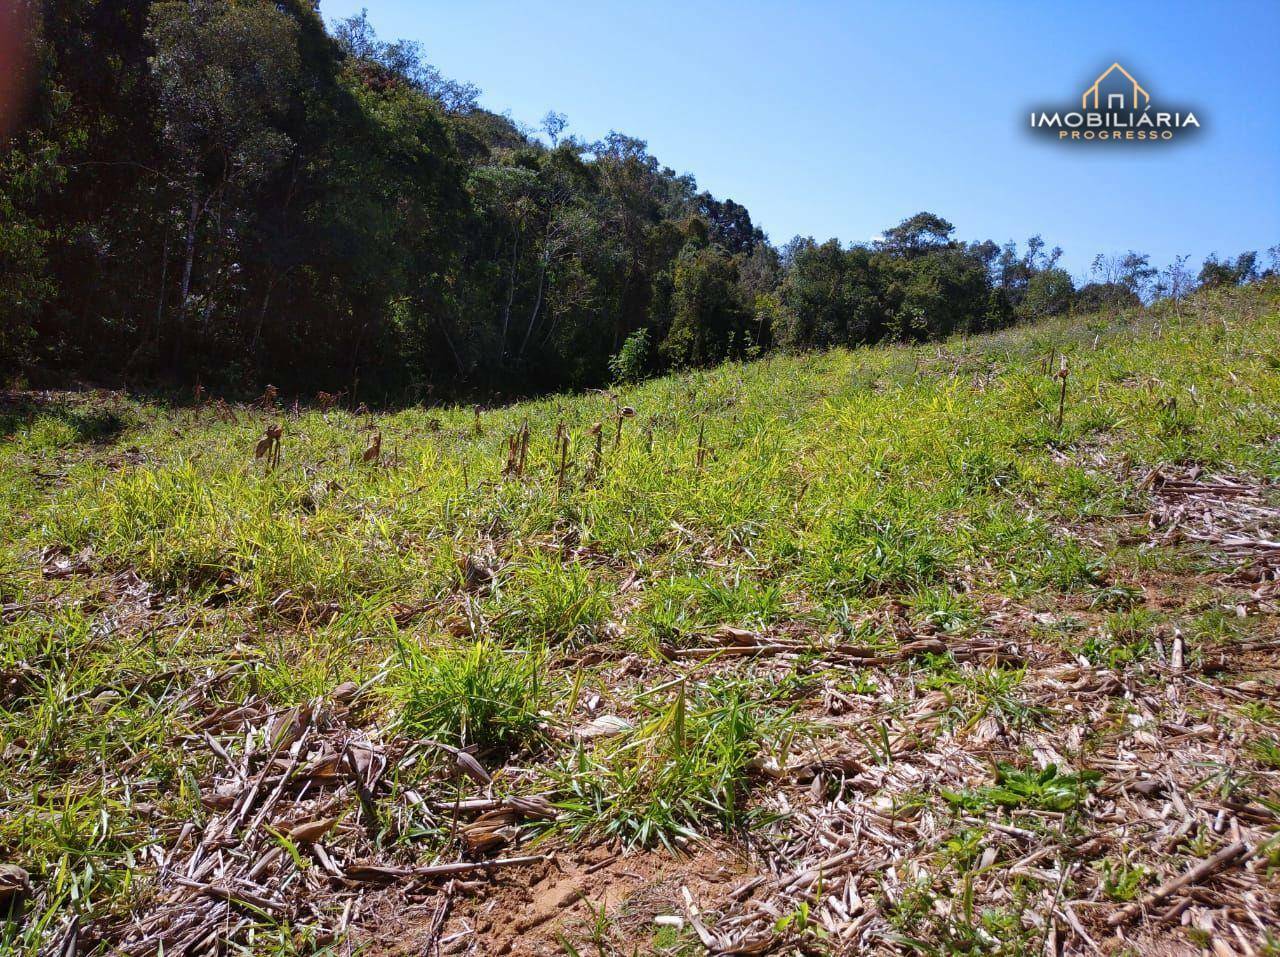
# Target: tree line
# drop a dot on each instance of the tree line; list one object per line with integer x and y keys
{"x": 229, "y": 192}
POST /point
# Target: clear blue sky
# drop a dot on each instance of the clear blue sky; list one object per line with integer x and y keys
{"x": 839, "y": 119}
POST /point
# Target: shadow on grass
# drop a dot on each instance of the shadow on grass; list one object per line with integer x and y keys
{"x": 88, "y": 421}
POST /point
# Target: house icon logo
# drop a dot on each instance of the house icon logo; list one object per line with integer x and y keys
{"x": 1115, "y": 89}
{"x": 1115, "y": 108}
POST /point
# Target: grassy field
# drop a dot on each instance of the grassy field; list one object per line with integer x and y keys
{"x": 850, "y": 652}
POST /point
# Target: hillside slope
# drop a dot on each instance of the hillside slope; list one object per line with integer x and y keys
{"x": 843, "y": 652}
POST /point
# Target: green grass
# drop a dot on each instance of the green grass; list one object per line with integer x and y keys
{"x": 977, "y": 693}
{"x": 477, "y": 694}
{"x": 684, "y": 767}
{"x": 678, "y": 608}
{"x": 865, "y": 496}
{"x": 542, "y": 599}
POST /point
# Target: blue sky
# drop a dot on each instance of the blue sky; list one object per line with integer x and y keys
{"x": 839, "y": 119}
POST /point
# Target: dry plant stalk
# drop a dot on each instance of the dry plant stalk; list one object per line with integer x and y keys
{"x": 597, "y": 455}
{"x": 626, "y": 412}
{"x": 524, "y": 448}
{"x": 1061, "y": 375}
{"x": 563, "y": 436}
{"x": 509, "y": 466}
{"x": 268, "y": 446}
{"x": 1206, "y": 868}
{"x": 224, "y": 411}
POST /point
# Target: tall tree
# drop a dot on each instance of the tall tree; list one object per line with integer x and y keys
{"x": 226, "y": 75}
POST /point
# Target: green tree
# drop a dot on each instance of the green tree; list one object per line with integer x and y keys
{"x": 938, "y": 293}
{"x": 26, "y": 283}
{"x": 710, "y": 321}
{"x": 916, "y": 235}
{"x": 1050, "y": 292}
{"x": 227, "y": 189}
{"x": 1132, "y": 271}
{"x": 1105, "y": 297}
{"x": 1229, "y": 272}
{"x": 226, "y": 75}
{"x": 831, "y": 296}
{"x": 632, "y": 361}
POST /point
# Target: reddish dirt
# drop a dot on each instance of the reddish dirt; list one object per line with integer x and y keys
{"x": 527, "y": 912}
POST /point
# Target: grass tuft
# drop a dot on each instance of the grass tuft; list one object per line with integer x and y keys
{"x": 475, "y": 694}
{"x": 683, "y": 769}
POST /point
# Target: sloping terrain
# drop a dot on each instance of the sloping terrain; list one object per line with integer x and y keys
{"x": 960, "y": 648}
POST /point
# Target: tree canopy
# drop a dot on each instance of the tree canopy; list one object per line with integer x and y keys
{"x": 230, "y": 192}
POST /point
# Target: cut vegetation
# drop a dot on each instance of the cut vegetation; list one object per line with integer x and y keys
{"x": 950, "y": 648}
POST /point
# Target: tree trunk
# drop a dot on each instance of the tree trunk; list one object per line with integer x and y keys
{"x": 188, "y": 262}
{"x": 511, "y": 295}
{"x": 457, "y": 360}
{"x": 537, "y": 305}
{"x": 257, "y": 331}
{"x": 355, "y": 365}
{"x": 184, "y": 297}
{"x": 164, "y": 290}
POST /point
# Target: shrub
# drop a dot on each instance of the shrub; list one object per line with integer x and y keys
{"x": 632, "y": 361}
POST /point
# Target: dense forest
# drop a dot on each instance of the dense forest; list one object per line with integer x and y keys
{"x": 231, "y": 193}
